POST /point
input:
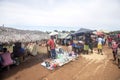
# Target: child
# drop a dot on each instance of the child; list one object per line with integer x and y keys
{"x": 114, "y": 50}
{"x": 71, "y": 50}
{"x": 109, "y": 39}
{"x": 86, "y": 48}
{"x": 80, "y": 46}
{"x": 99, "y": 46}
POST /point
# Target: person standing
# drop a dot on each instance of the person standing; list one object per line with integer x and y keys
{"x": 114, "y": 49}
{"x": 91, "y": 44}
{"x": 34, "y": 50}
{"x": 87, "y": 41}
{"x": 86, "y": 48}
{"x": 6, "y": 56}
{"x": 109, "y": 39}
{"x": 52, "y": 46}
{"x": 100, "y": 45}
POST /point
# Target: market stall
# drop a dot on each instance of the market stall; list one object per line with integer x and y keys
{"x": 62, "y": 58}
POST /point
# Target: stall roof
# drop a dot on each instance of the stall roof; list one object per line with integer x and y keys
{"x": 83, "y": 31}
{"x": 53, "y": 33}
{"x": 62, "y": 35}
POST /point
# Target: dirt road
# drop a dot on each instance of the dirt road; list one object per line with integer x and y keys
{"x": 86, "y": 67}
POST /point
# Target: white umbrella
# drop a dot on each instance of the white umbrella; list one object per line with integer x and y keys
{"x": 53, "y": 33}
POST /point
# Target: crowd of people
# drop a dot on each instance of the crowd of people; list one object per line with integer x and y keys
{"x": 18, "y": 55}
{"x": 87, "y": 44}
{"x": 84, "y": 46}
{"x": 115, "y": 45}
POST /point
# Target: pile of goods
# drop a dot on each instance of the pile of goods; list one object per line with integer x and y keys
{"x": 62, "y": 58}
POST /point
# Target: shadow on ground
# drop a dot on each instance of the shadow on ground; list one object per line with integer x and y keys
{"x": 31, "y": 61}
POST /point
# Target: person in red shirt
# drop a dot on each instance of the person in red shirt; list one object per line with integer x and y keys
{"x": 51, "y": 44}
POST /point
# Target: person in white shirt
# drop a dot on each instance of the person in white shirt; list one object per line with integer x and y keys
{"x": 99, "y": 45}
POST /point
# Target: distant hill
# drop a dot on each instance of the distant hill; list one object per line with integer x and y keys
{"x": 11, "y": 34}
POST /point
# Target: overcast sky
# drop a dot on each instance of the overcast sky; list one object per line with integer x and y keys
{"x": 92, "y": 14}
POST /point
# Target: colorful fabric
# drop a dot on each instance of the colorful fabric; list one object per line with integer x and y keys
{"x": 86, "y": 47}
{"x": 99, "y": 46}
{"x": 6, "y": 59}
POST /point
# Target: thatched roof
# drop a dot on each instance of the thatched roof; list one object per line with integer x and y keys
{"x": 10, "y": 34}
